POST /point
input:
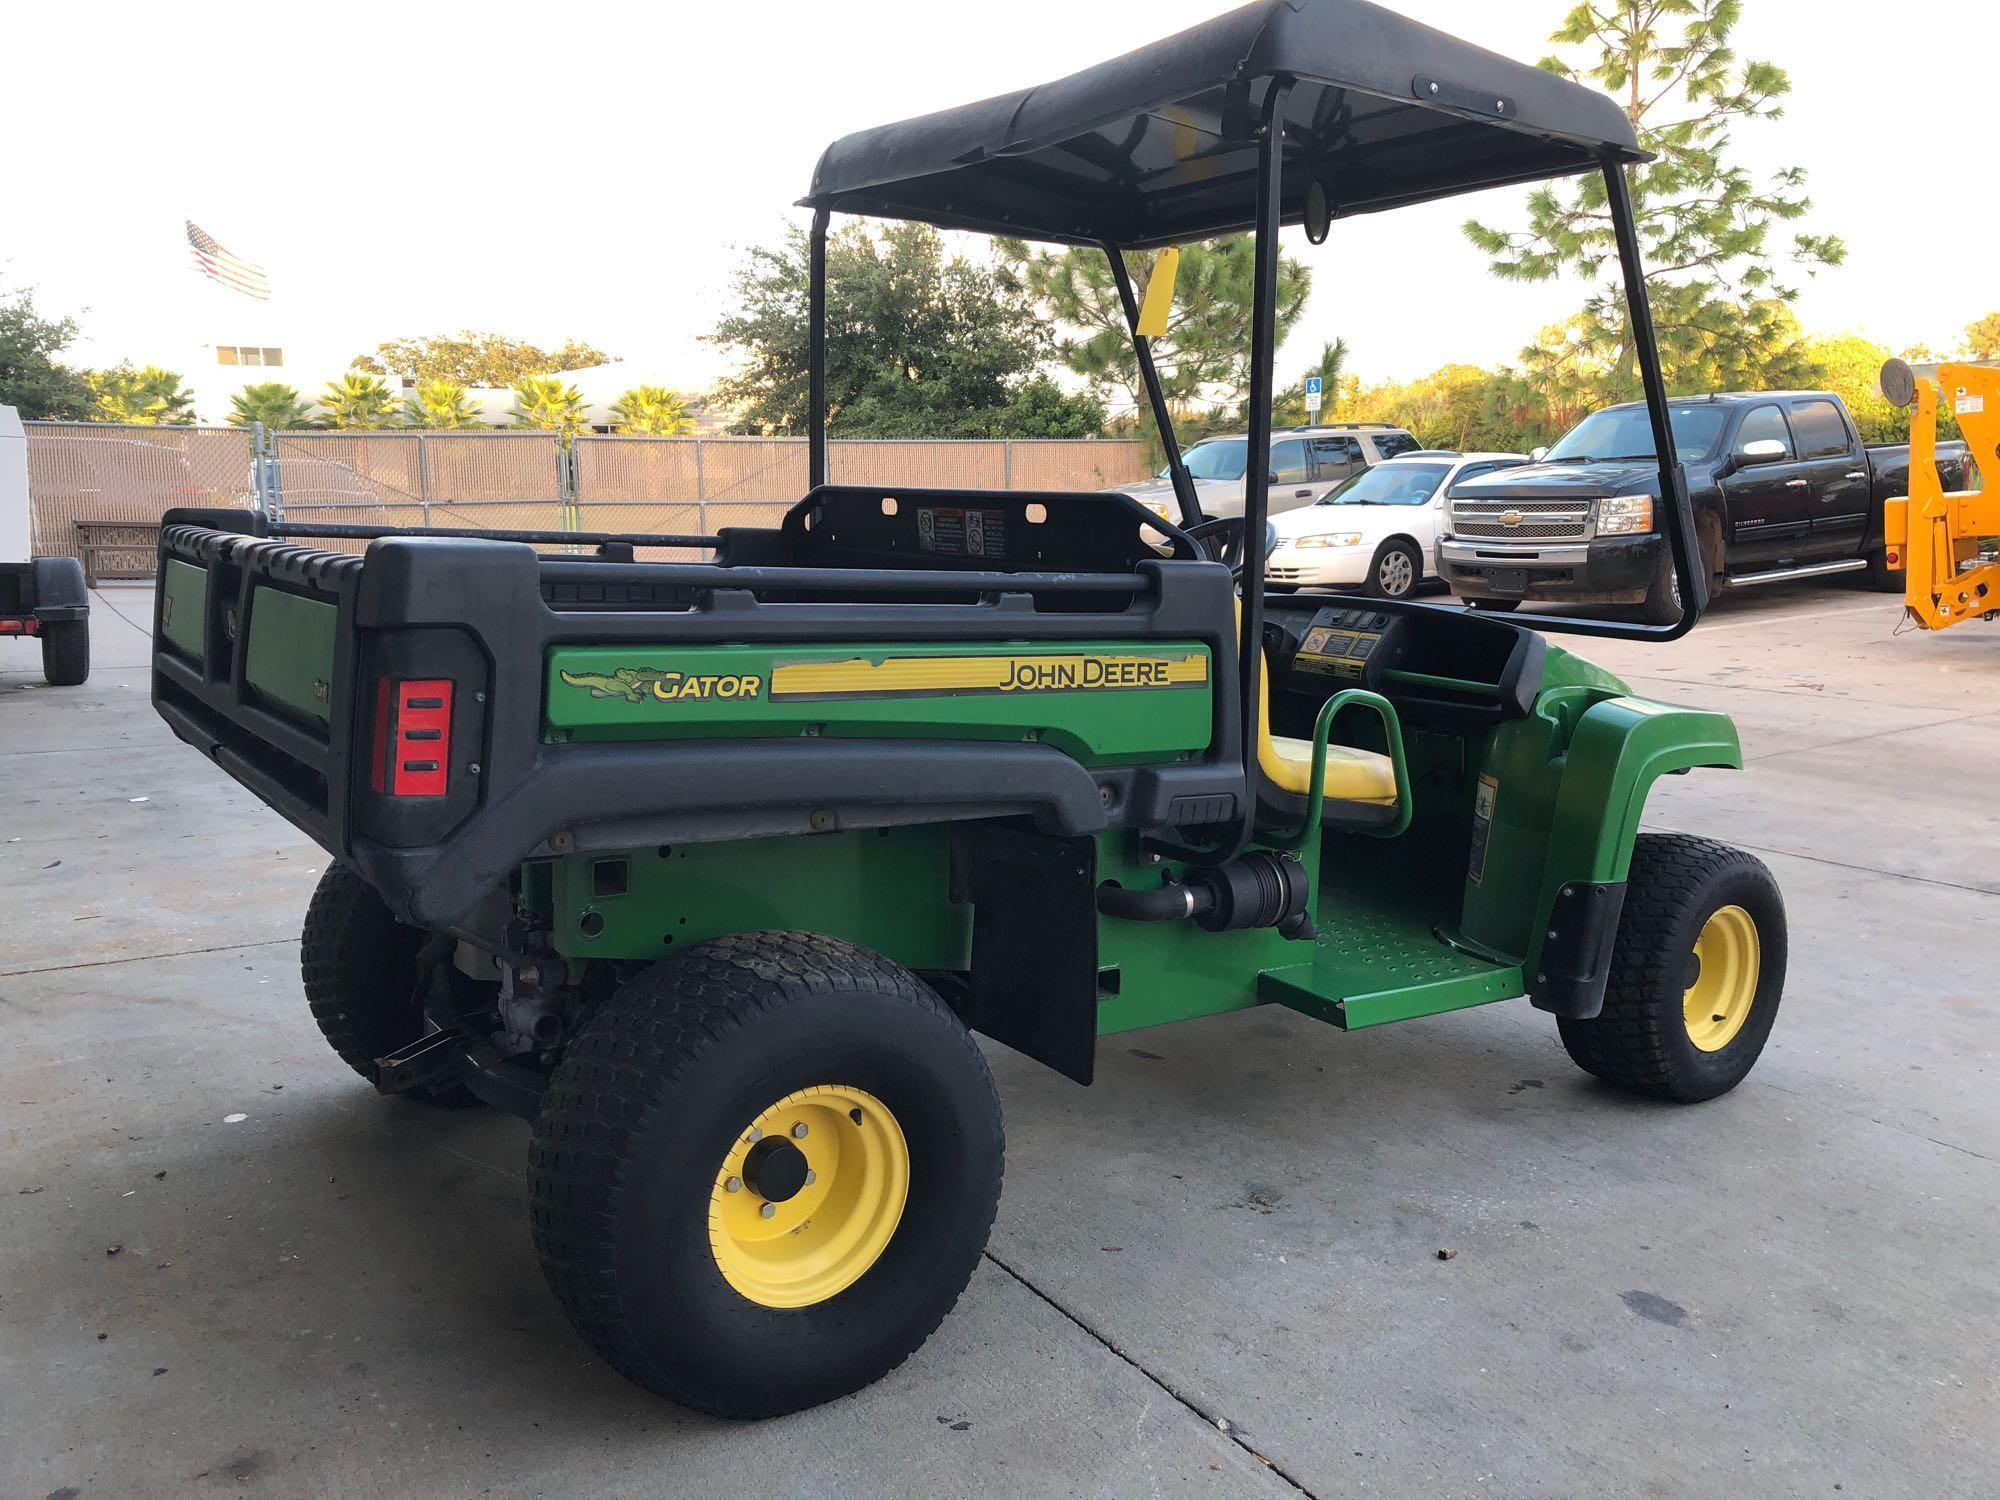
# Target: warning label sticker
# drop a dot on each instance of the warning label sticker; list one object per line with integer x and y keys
{"x": 1483, "y": 803}
{"x": 963, "y": 533}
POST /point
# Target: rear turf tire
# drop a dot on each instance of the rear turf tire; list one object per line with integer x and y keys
{"x": 650, "y": 1109}
{"x": 1642, "y": 1041}
{"x": 66, "y": 653}
{"x": 359, "y": 965}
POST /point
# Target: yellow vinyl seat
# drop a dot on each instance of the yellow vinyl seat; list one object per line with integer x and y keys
{"x": 1352, "y": 774}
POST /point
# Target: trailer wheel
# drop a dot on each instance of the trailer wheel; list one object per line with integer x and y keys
{"x": 1696, "y": 973}
{"x": 359, "y": 965}
{"x": 66, "y": 652}
{"x": 764, "y": 1171}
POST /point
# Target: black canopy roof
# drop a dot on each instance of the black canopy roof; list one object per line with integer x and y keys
{"x": 1158, "y": 146}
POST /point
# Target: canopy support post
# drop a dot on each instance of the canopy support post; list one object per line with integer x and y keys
{"x": 1149, "y": 375}
{"x": 816, "y": 465}
{"x": 1257, "y": 472}
{"x": 1673, "y": 501}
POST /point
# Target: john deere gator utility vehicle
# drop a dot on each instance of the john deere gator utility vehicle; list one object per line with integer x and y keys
{"x": 712, "y": 869}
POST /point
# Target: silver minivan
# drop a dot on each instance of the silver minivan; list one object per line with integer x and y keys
{"x": 1306, "y": 463}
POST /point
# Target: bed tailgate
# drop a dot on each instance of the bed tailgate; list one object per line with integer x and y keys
{"x": 261, "y": 663}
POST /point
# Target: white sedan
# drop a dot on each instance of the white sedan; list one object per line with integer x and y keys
{"x": 1380, "y": 529}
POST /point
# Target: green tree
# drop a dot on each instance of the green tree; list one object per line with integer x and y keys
{"x": 271, "y": 402}
{"x": 439, "y": 405}
{"x": 545, "y": 403}
{"x": 1291, "y": 409}
{"x": 1039, "y": 408}
{"x": 148, "y": 396}
{"x": 1204, "y": 358}
{"x": 1982, "y": 339}
{"x": 1707, "y": 228}
{"x": 358, "y": 403}
{"x": 32, "y": 377}
{"x": 482, "y": 359}
{"x": 920, "y": 344}
{"x": 1851, "y": 367}
{"x": 651, "y": 411}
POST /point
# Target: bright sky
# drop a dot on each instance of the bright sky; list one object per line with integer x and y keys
{"x": 429, "y": 167}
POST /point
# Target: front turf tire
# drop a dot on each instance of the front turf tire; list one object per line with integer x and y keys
{"x": 645, "y": 1124}
{"x": 359, "y": 966}
{"x": 66, "y": 653}
{"x": 1682, "y": 891}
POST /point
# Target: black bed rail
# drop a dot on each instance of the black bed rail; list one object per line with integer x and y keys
{"x": 870, "y": 581}
{"x": 485, "y": 534}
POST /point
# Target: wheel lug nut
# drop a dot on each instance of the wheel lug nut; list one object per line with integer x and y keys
{"x": 734, "y": 1185}
{"x": 811, "y": 1178}
{"x": 754, "y": 1136}
{"x": 769, "y": 1210}
{"x": 799, "y": 1131}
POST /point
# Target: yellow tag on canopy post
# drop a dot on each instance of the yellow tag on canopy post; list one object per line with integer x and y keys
{"x": 1159, "y": 304}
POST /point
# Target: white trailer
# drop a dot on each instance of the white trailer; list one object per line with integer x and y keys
{"x": 43, "y": 597}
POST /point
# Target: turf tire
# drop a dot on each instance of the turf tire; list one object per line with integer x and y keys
{"x": 359, "y": 965}
{"x": 642, "y": 1110}
{"x": 1639, "y": 1041}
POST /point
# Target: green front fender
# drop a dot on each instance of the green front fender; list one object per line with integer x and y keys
{"x": 1620, "y": 748}
{"x": 1566, "y": 791}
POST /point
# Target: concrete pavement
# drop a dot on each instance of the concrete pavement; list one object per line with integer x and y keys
{"x": 1788, "y": 1292}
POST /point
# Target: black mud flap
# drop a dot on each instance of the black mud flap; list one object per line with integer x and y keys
{"x": 1034, "y": 942}
{"x": 1576, "y": 953}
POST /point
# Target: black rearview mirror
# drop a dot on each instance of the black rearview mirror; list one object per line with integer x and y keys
{"x": 1899, "y": 383}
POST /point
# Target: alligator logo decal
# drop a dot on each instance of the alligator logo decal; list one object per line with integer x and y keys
{"x": 639, "y": 684}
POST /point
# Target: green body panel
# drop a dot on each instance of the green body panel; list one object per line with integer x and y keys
{"x": 601, "y": 693}
{"x": 887, "y": 890}
{"x": 184, "y": 607}
{"x": 1402, "y": 931}
{"x": 1173, "y": 971}
{"x": 1569, "y": 787}
{"x": 290, "y": 659}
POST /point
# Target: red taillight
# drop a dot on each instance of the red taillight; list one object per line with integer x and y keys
{"x": 1893, "y": 558}
{"x": 412, "y": 738}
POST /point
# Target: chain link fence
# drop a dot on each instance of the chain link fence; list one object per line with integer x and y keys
{"x": 101, "y": 474}
{"x": 84, "y": 474}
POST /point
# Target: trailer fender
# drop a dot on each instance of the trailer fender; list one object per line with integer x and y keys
{"x": 1621, "y": 747}
{"x": 60, "y": 592}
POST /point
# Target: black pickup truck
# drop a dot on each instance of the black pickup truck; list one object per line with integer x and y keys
{"x": 1783, "y": 487}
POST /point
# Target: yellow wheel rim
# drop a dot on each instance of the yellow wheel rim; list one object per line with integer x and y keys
{"x": 1727, "y": 958}
{"x": 809, "y": 1196}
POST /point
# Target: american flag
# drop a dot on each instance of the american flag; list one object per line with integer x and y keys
{"x": 217, "y": 264}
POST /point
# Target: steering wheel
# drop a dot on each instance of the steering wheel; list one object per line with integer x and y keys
{"x": 1221, "y": 540}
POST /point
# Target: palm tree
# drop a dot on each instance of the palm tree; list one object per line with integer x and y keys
{"x": 652, "y": 411}
{"x": 544, "y": 402}
{"x": 273, "y": 403}
{"x": 440, "y": 405}
{"x": 148, "y": 396}
{"x": 357, "y": 402}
